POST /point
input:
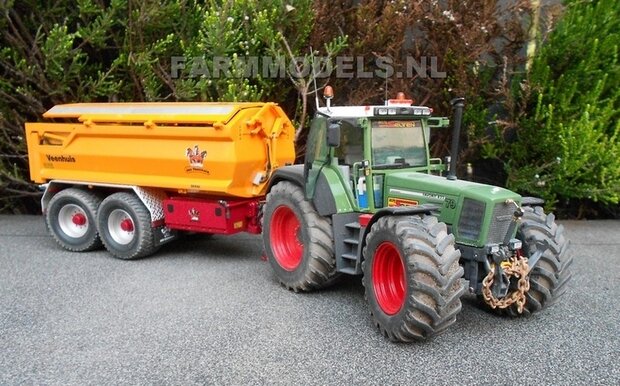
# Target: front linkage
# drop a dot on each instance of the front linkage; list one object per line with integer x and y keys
{"x": 507, "y": 264}
{"x": 516, "y": 267}
{"x": 524, "y": 274}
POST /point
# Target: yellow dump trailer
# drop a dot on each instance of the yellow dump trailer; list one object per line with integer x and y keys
{"x": 128, "y": 175}
{"x": 226, "y": 149}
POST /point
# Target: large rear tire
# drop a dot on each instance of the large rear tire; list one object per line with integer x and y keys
{"x": 124, "y": 225}
{"x": 71, "y": 219}
{"x": 412, "y": 277}
{"x": 549, "y": 276}
{"x": 298, "y": 241}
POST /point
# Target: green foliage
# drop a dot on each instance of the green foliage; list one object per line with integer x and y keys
{"x": 46, "y": 59}
{"x": 474, "y": 42}
{"x": 568, "y": 143}
{"x": 242, "y": 30}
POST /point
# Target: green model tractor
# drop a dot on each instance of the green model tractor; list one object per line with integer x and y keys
{"x": 370, "y": 200}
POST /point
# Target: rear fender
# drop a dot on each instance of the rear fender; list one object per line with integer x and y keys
{"x": 292, "y": 173}
{"x": 323, "y": 198}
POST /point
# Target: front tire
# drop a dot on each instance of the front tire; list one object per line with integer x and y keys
{"x": 549, "y": 276}
{"x": 412, "y": 277}
{"x": 71, "y": 219}
{"x": 124, "y": 225}
{"x": 297, "y": 240}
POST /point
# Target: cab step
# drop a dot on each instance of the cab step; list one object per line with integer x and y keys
{"x": 347, "y": 231}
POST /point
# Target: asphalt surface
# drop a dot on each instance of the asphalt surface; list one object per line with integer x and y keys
{"x": 209, "y": 311}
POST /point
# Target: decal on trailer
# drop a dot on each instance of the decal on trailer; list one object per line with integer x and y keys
{"x": 194, "y": 215}
{"x": 196, "y": 159}
{"x": 60, "y": 158}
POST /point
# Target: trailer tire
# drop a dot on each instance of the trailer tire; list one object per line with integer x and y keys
{"x": 412, "y": 277}
{"x": 124, "y": 225}
{"x": 297, "y": 240}
{"x": 71, "y": 218}
{"x": 549, "y": 276}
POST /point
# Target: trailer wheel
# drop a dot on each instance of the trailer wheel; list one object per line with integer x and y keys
{"x": 412, "y": 277}
{"x": 124, "y": 225}
{"x": 297, "y": 240}
{"x": 549, "y": 276}
{"x": 71, "y": 219}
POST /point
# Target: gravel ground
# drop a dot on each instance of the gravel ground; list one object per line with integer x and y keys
{"x": 208, "y": 310}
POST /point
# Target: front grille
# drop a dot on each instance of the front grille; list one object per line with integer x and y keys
{"x": 502, "y": 216}
{"x": 470, "y": 222}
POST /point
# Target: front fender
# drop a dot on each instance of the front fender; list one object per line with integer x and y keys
{"x": 427, "y": 209}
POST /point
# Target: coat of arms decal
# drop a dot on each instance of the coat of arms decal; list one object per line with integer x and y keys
{"x": 196, "y": 159}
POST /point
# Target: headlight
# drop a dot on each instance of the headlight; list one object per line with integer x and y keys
{"x": 515, "y": 244}
{"x": 471, "y": 218}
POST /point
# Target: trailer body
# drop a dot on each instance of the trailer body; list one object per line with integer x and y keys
{"x": 195, "y": 166}
{"x": 212, "y": 148}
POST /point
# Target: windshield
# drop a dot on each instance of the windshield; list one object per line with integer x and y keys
{"x": 398, "y": 143}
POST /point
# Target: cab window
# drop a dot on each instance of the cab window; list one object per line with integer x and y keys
{"x": 316, "y": 149}
{"x": 351, "y": 149}
{"x": 398, "y": 142}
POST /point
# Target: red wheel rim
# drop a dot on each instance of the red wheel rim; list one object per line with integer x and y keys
{"x": 285, "y": 240}
{"x": 127, "y": 225}
{"x": 79, "y": 219}
{"x": 388, "y": 278}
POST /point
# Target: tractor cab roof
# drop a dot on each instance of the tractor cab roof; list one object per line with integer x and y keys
{"x": 390, "y": 111}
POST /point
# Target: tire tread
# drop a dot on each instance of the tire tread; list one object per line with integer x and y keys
{"x": 142, "y": 222}
{"x": 89, "y": 201}
{"x": 540, "y": 227}
{"x": 321, "y": 265}
{"x": 429, "y": 252}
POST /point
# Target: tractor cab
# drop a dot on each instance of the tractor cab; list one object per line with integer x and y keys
{"x": 364, "y": 144}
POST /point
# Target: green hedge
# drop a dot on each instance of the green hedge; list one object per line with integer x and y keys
{"x": 567, "y": 146}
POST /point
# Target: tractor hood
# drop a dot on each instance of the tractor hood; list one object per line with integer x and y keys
{"x": 435, "y": 189}
{"x": 477, "y": 213}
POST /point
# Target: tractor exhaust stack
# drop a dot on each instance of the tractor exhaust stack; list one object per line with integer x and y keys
{"x": 457, "y": 108}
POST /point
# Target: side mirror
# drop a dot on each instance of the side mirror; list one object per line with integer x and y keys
{"x": 333, "y": 134}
